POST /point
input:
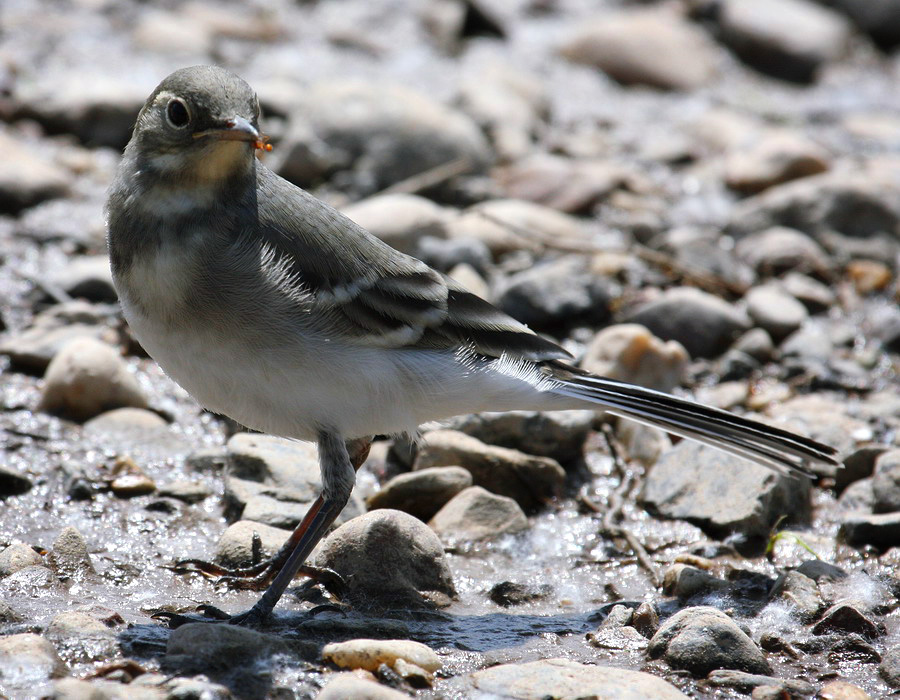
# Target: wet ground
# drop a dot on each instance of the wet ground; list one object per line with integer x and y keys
{"x": 851, "y": 111}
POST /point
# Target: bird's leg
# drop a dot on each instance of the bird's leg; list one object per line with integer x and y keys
{"x": 338, "y": 477}
{"x": 260, "y": 575}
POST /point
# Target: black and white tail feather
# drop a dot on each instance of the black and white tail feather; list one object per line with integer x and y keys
{"x": 779, "y": 449}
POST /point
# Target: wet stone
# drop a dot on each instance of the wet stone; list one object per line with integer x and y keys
{"x": 702, "y": 639}
{"x": 13, "y": 483}
{"x": 527, "y": 479}
{"x": 564, "y": 679}
{"x": 235, "y": 547}
{"x": 204, "y": 645}
{"x": 890, "y": 666}
{"x": 187, "y": 491}
{"x": 881, "y": 530}
{"x": 841, "y": 690}
{"x": 475, "y": 515}
{"x": 369, "y": 654}
{"x": 509, "y": 593}
{"x": 722, "y": 493}
{"x": 645, "y": 619}
{"x": 81, "y": 638}
{"x": 403, "y": 559}
{"x": 557, "y": 434}
{"x": 630, "y": 353}
{"x": 348, "y": 686}
{"x": 129, "y": 480}
{"x": 421, "y": 493}
{"x": 685, "y": 582}
{"x": 77, "y": 689}
{"x": 845, "y": 618}
{"x": 10, "y": 615}
{"x": 16, "y": 557}
{"x": 704, "y": 324}
{"x": 819, "y": 570}
{"x": 69, "y": 554}
{"x": 799, "y": 592}
{"x": 747, "y": 682}
{"x": 87, "y": 377}
{"x": 27, "y": 660}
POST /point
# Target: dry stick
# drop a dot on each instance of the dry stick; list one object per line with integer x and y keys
{"x": 429, "y": 178}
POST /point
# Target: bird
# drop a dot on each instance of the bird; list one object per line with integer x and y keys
{"x": 271, "y": 307}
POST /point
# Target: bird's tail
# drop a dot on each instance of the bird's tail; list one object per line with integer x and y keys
{"x": 773, "y": 447}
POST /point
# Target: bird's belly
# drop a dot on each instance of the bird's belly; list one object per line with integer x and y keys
{"x": 300, "y": 390}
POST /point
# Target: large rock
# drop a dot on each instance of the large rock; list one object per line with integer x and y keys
{"x": 234, "y": 549}
{"x": 349, "y": 686}
{"x": 704, "y": 324}
{"x": 703, "y": 639}
{"x": 722, "y": 493}
{"x": 631, "y": 353}
{"x": 789, "y": 39}
{"x": 422, "y": 493}
{"x": 400, "y": 220}
{"x": 372, "y": 135}
{"x": 556, "y": 294}
{"x": 26, "y": 178}
{"x": 273, "y": 480}
{"x": 563, "y": 679}
{"x": 475, "y": 514}
{"x": 682, "y": 58}
{"x": 388, "y": 559}
{"x": 87, "y": 377}
{"x": 16, "y": 557}
{"x": 100, "y": 108}
{"x": 530, "y": 480}
{"x": 27, "y": 661}
{"x": 557, "y": 434}
{"x": 856, "y": 204}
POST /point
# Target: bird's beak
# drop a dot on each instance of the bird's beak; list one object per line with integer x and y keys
{"x": 233, "y": 129}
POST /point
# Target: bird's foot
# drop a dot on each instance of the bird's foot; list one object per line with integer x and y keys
{"x": 258, "y": 577}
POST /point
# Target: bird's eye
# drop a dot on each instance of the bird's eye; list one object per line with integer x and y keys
{"x": 177, "y": 113}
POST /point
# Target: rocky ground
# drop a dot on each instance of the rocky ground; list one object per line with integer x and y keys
{"x": 699, "y": 196}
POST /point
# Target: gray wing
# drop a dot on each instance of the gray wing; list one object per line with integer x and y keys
{"x": 361, "y": 288}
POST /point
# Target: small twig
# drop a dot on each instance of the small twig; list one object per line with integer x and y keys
{"x": 429, "y": 178}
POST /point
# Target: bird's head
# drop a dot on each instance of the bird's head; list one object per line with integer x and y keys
{"x": 200, "y": 124}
